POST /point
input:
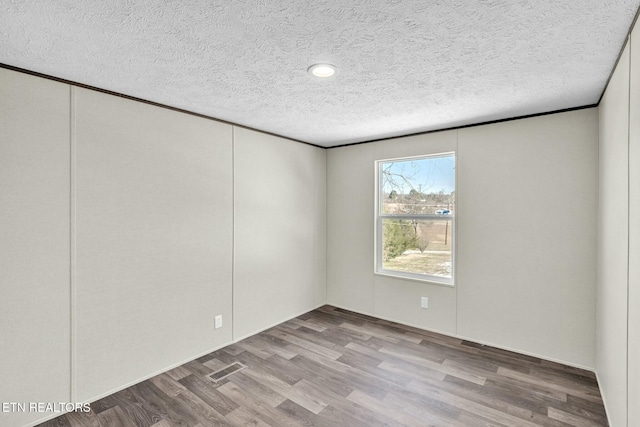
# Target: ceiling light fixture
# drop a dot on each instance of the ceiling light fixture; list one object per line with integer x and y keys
{"x": 322, "y": 70}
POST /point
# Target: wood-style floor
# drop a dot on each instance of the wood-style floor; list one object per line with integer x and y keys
{"x": 332, "y": 367}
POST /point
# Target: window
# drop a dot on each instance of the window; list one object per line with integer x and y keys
{"x": 415, "y": 217}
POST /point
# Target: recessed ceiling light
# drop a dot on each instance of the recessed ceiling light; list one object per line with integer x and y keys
{"x": 322, "y": 70}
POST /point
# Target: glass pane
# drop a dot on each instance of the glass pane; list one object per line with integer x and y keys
{"x": 418, "y": 186}
{"x": 418, "y": 246}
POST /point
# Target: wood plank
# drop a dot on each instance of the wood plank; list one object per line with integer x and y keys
{"x": 258, "y": 409}
{"x": 256, "y": 390}
{"x": 305, "y": 344}
{"x": 204, "y": 413}
{"x": 134, "y": 410}
{"x": 376, "y": 406}
{"x": 331, "y": 367}
{"x": 426, "y": 363}
{"x": 154, "y": 400}
{"x": 178, "y": 373}
{"x": 115, "y": 417}
{"x": 275, "y": 366}
{"x": 589, "y": 395}
{"x": 471, "y": 406}
{"x": 331, "y": 417}
{"x": 243, "y": 417}
{"x": 60, "y": 421}
{"x": 571, "y": 419}
{"x": 208, "y": 394}
{"x": 83, "y": 419}
{"x": 297, "y": 396}
{"x": 214, "y": 365}
{"x": 424, "y": 411}
{"x": 341, "y": 403}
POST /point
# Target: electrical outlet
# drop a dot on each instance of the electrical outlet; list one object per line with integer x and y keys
{"x": 218, "y": 322}
{"x": 424, "y": 302}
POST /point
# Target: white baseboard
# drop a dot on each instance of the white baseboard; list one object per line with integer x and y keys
{"x": 604, "y": 399}
{"x": 490, "y": 344}
{"x": 275, "y": 324}
{"x": 306, "y": 311}
{"x": 132, "y": 383}
{"x": 170, "y": 367}
{"x": 528, "y": 353}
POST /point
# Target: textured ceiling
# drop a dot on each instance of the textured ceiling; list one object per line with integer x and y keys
{"x": 404, "y": 65}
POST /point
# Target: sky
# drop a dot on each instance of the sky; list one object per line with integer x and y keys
{"x": 427, "y": 175}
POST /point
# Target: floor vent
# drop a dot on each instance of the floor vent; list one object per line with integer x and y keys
{"x": 226, "y": 371}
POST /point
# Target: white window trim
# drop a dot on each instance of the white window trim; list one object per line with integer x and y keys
{"x": 378, "y": 217}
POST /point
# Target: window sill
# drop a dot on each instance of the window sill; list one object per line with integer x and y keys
{"x": 430, "y": 280}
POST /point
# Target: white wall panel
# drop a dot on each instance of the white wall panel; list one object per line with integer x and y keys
{"x": 320, "y": 226}
{"x": 153, "y": 239}
{"x": 399, "y": 299}
{"x": 634, "y": 233}
{"x": 525, "y": 232}
{"x": 278, "y": 228}
{"x": 350, "y": 198}
{"x": 613, "y": 239}
{"x": 34, "y": 243}
{"x": 351, "y": 282}
{"x": 526, "y": 235}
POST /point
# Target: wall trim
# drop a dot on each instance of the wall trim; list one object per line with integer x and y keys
{"x": 629, "y": 202}
{"x": 392, "y": 320}
{"x": 132, "y": 383}
{"x": 527, "y": 353}
{"x": 627, "y": 39}
{"x": 144, "y": 101}
{"x": 490, "y": 122}
{"x": 172, "y": 366}
{"x": 276, "y": 324}
{"x": 72, "y": 256}
{"x": 204, "y": 116}
{"x": 488, "y": 344}
{"x": 175, "y": 365}
{"x": 604, "y": 400}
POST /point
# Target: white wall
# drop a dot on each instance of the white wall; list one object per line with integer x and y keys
{"x": 117, "y": 248}
{"x": 153, "y": 194}
{"x": 618, "y": 320}
{"x": 540, "y": 249}
{"x": 34, "y": 242}
{"x": 527, "y": 192}
{"x": 351, "y": 282}
{"x": 400, "y": 299}
{"x": 279, "y": 251}
{"x": 613, "y": 216}
{"x": 153, "y": 248}
{"x": 634, "y": 233}
{"x": 350, "y": 245}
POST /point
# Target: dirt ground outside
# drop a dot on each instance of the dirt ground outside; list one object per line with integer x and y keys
{"x": 436, "y": 257}
{"x": 434, "y": 263}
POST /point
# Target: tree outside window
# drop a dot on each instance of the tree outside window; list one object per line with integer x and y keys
{"x": 415, "y": 217}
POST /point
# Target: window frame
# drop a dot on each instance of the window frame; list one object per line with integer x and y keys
{"x": 379, "y": 217}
